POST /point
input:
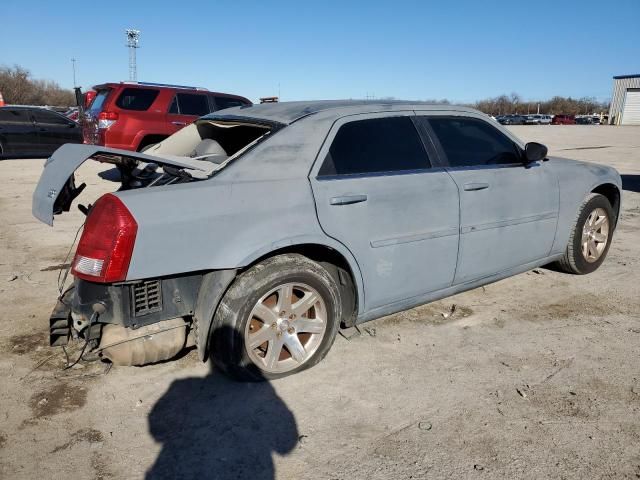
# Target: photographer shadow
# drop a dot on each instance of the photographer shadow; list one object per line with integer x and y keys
{"x": 216, "y": 428}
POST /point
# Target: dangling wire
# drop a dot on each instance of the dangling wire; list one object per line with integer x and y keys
{"x": 62, "y": 278}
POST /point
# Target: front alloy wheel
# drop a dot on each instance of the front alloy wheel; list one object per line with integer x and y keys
{"x": 595, "y": 235}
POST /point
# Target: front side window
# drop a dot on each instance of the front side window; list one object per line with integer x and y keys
{"x": 192, "y": 104}
{"x": 139, "y": 99}
{"x": 389, "y": 144}
{"x": 472, "y": 142}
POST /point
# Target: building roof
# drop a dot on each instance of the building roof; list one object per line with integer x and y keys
{"x": 289, "y": 112}
{"x": 619, "y": 77}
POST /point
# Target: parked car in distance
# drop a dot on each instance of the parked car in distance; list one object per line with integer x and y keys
{"x": 34, "y": 132}
{"x": 513, "y": 120}
{"x": 584, "y": 120}
{"x": 257, "y": 232}
{"x": 563, "y": 120}
{"x": 538, "y": 119}
{"x": 135, "y": 115}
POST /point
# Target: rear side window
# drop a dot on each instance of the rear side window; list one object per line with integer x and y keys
{"x": 376, "y": 145}
{"x": 14, "y": 116}
{"x": 139, "y": 99}
{"x": 189, "y": 104}
{"x": 42, "y": 116}
{"x": 227, "y": 102}
{"x": 471, "y": 142}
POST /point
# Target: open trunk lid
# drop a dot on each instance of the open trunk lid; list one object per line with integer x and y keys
{"x": 56, "y": 188}
{"x": 196, "y": 152}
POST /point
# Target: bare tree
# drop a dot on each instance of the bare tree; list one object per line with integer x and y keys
{"x": 19, "y": 88}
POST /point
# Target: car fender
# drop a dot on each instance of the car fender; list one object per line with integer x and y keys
{"x": 576, "y": 180}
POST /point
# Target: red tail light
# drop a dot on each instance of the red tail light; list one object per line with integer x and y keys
{"x": 106, "y": 119}
{"x": 106, "y": 244}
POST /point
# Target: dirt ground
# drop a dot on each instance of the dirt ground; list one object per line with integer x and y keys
{"x": 536, "y": 376}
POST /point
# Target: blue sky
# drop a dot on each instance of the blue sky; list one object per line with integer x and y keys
{"x": 460, "y": 50}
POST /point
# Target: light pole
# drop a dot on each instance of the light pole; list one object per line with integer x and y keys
{"x": 133, "y": 37}
{"x": 73, "y": 66}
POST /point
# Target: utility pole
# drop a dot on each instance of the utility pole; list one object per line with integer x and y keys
{"x": 133, "y": 37}
{"x": 73, "y": 65}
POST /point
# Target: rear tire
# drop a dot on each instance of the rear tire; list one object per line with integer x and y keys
{"x": 295, "y": 329}
{"x": 591, "y": 236}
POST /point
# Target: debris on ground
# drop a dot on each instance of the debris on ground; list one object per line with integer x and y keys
{"x": 425, "y": 425}
{"x": 524, "y": 391}
{"x": 12, "y": 277}
{"x": 370, "y": 330}
{"x": 350, "y": 332}
{"x": 451, "y": 311}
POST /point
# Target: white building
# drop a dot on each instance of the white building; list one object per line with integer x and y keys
{"x": 625, "y": 100}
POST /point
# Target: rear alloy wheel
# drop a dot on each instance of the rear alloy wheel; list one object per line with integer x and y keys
{"x": 591, "y": 236}
{"x": 279, "y": 317}
{"x": 285, "y": 327}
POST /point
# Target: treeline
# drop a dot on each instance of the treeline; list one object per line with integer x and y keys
{"x": 19, "y": 88}
{"x": 504, "y": 105}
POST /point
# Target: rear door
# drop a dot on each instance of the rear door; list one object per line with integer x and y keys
{"x": 378, "y": 193}
{"x": 508, "y": 211}
{"x": 17, "y": 132}
{"x": 54, "y": 130}
{"x": 186, "y": 108}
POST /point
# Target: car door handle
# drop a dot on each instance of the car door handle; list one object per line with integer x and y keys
{"x": 475, "y": 186}
{"x": 348, "y": 199}
{"x": 179, "y": 124}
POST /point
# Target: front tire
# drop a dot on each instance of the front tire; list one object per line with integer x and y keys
{"x": 278, "y": 318}
{"x": 591, "y": 236}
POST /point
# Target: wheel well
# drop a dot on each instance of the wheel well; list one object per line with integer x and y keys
{"x": 611, "y": 192}
{"x": 149, "y": 139}
{"x": 337, "y": 265}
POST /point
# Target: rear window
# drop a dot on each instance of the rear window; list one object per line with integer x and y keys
{"x": 98, "y": 101}
{"x": 227, "y": 102}
{"x": 14, "y": 116}
{"x": 139, "y": 99}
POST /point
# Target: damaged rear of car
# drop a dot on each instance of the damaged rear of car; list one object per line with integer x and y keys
{"x": 127, "y": 302}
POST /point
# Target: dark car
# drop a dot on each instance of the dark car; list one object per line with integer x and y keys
{"x": 513, "y": 120}
{"x": 34, "y": 132}
{"x": 563, "y": 120}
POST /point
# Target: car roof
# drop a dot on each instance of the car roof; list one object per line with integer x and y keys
{"x": 289, "y": 112}
{"x": 164, "y": 86}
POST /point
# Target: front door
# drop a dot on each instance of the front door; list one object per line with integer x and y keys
{"x": 377, "y": 193}
{"x": 508, "y": 211}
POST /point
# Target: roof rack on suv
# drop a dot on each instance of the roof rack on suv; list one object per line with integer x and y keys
{"x": 152, "y": 84}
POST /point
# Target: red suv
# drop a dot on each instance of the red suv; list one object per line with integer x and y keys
{"x": 563, "y": 120}
{"x": 135, "y": 115}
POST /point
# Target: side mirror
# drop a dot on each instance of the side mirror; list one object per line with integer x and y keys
{"x": 534, "y": 152}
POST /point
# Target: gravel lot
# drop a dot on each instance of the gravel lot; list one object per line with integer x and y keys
{"x": 536, "y": 376}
